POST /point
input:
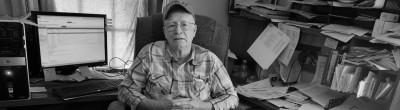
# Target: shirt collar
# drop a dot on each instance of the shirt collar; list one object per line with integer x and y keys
{"x": 168, "y": 55}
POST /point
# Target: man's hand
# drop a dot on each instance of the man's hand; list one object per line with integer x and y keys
{"x": 192, "y": 103}
{"x": 163, "y": 102}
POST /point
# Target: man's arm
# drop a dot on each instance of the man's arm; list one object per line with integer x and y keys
{"x": 130, "y": 90}
{"x": 163, "y": 103}
{"x": 222, "y": 90}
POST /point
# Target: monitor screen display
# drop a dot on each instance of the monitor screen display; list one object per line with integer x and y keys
{"x": 71, "y": 39}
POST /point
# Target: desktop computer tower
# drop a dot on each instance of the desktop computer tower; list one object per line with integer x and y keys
{"x": 14, "y": 72}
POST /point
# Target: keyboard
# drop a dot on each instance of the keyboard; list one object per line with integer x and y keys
{"x": 78, "y": 90}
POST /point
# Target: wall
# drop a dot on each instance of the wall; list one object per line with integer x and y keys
{"x": 217, "y": 9}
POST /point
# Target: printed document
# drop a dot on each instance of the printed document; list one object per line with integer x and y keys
{"x": 293, "y": 33}
{"x": 268, "y": 46}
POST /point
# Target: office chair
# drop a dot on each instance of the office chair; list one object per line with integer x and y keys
{"x": 210, "y": 35}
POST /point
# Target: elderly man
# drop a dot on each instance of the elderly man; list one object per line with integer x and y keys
{"x": 176, "y": 74}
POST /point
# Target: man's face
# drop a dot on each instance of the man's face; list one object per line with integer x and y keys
{"x": 179, "y": 29}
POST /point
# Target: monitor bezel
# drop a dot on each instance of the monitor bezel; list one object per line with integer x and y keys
{"x": 70, "y": 66}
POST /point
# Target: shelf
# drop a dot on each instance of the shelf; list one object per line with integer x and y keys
{"x": 334, "y": 4}
{"x": 263, "y": 104}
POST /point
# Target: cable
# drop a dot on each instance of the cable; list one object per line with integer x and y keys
{"x": 124, "y": 71}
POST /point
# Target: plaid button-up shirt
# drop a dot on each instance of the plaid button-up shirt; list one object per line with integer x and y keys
{"x": 155, "y": 72}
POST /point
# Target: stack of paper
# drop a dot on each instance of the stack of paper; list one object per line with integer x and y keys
{"x": 381, "y": 59}
{"x": 262, "y": 90}
{"x": 261, "y": 9}
{"x": 343, "y": 33}
{"x": 389, "y": 38}
{"x": 275, "y": 95}
{"x": 323, "y": 95}
{"x": 388, "y": 63}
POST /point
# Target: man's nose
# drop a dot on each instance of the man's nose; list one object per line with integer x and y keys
{"x": 178, "y": 30}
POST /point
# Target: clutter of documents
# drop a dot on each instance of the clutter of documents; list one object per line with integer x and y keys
{"x": 278, "y": 96}
{"x": 345, "y": 77}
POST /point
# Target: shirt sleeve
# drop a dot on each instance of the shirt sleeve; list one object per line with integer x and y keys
{"x": 130, "y": 90}
{"x": 223, "y": 92}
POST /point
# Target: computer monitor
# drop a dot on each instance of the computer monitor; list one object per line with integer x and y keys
{"x": 67, "y": 41}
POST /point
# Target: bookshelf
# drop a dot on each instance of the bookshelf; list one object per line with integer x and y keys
{"x": 246, "y": 27}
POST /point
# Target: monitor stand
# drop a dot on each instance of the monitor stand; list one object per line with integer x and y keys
{"x": 85, "y": 72}
{"x": 50, "y": 74}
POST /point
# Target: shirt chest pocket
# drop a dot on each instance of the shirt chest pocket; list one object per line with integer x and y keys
{"x": 158, "y": 84}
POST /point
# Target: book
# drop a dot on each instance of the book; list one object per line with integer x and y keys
{"x": 335, "y": 80}
{"x": 330, "y": 68}
{"x": 360, "y": 91}
{"x": 383, "y": 89}
{"x": 371, "y": 87}
{"x": 348, "y": 72}
{"x": 353, "y": 83}
{"x": 367, "y": 85}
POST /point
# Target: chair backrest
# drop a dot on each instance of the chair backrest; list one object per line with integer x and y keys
{"x": 210, "y": 34}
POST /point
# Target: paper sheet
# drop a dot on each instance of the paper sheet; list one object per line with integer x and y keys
{"x": 339, "y": 36}
{"x": 284, "y": 104}
{"x": 299, "y": 24}
{"x": 386, "y": 38}
{"x": 268, "y": 46}
{"x": 264, "y": 93}
{"x": 346, "y": 29}
{"x": 265, "y": 83}
{"x": 293, "y": 33}
{"x": 85, "y": 72}
{"x": 262, "y": 90}
{"x": 291, "y": 72}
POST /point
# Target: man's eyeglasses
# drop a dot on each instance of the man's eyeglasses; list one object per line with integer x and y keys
{"x": 174, "y": 25}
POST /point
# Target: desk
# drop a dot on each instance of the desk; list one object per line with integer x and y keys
{"x": 261, "y": 104}
{"x": 48, "y": 101}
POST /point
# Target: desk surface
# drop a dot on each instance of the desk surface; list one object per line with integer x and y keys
{"x": 262, "y": 104}
{"x": 46, "y": 98}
